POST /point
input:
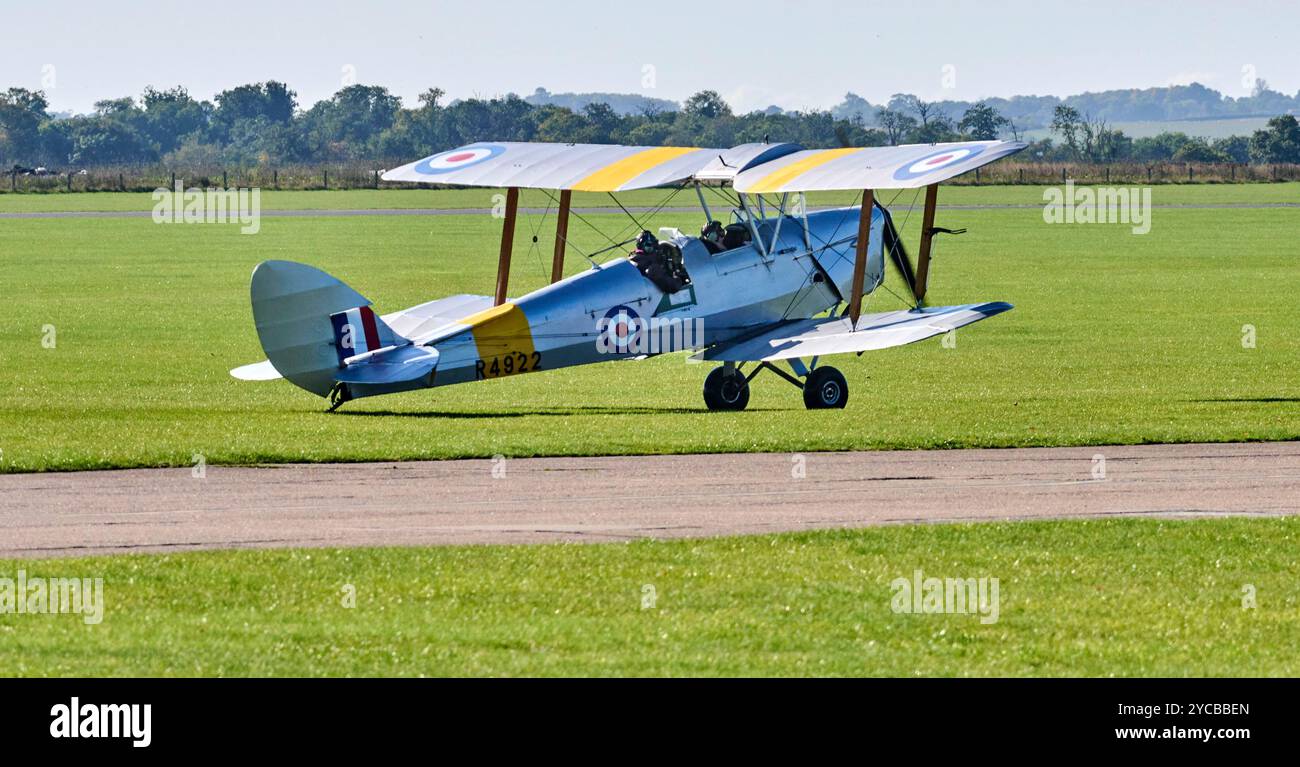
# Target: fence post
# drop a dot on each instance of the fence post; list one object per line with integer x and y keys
{"x": 13, "y": 181}
{"x": 1022, "y": 175}
{"x": 325, "y": 175}
{"x": 275, "y": 178}
{"x": 1149, "y": 174}
{"x": 1108, "y": 174}
{"x": 977, "y": 176}
{"x": 69, "y": 182}
{"x": 1189, "y": 171}
{"x": 121, "y": 183}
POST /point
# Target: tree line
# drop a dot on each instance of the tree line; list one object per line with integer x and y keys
{"x": 262, "y": 124}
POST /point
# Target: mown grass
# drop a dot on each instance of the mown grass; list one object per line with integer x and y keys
{"x": 417, "y": 198}
{"x": 1087, "y": 598}
{"x": 1115, "y": 338}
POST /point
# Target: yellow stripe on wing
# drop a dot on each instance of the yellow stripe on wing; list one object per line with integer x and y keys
{"x": 615, "y": 175}
{"x": 773, "y": 181}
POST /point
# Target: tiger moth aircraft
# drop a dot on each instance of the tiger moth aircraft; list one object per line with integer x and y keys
{"x": 775, "y": 285}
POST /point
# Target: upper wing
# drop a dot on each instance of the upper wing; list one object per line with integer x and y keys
{"x": 580, "y": 167}
{"x": 878, "y": 167}
{"x": 835, "y": 335}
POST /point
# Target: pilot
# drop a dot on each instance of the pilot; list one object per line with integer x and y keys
{"x": 647, "y": 243}
{"x": 712, "y": 235}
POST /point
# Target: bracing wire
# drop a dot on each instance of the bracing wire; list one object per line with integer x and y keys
{"x": 534, "y": 246}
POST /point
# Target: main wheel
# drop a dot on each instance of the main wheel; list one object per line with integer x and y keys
{"x": 725, "y": 390}
{"x": 825, "y": 388}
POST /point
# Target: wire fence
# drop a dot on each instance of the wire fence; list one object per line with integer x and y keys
{"x": 313, "y": 177}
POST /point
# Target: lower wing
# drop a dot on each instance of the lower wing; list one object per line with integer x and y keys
{"x": 836, "y": 335}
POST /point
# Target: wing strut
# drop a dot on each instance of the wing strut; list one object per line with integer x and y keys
{"x": 561, "y": 235}
{"x": 927, "y": 234}
{"x": 507, "y": 245}
{"x": 860, "y": 262}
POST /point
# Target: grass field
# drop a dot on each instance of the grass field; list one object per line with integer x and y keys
{"x": 371, "y": 199}
{"x": 1094, "y": 598}
{"x": 1116, "y": 338}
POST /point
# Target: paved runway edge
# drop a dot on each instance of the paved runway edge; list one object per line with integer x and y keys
{"x": 536, "y": 500}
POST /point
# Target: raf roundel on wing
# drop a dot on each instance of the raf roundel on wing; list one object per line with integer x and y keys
{"x": 940, "y": 159}
{"x": 458, "y": 159}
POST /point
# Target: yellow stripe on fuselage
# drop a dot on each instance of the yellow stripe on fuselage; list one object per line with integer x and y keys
{"x": 615, "y": 175}
{"x": 773, "y": 181}
{"x": 504, "y": 340}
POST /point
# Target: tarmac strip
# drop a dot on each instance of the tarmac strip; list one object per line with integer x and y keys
{"x": 539, "y": 500}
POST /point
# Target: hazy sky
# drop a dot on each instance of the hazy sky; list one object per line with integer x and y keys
{"x": 756, "y": 53}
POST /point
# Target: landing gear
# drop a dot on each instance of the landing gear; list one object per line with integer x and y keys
{"x": 825, "y": 387}
{"x": 338, "y": 395}
{"x": 726, "y": 389}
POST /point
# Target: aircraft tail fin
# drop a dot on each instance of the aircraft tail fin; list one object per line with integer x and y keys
{"x": 310, "y": 323}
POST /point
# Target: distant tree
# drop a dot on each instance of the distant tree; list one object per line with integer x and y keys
{"x": 1199, "y": 150}
{"x": 416, "y": 132}
{"x": 906, "y": 102}
{"x": 55, "y": 138}
{"x": 262, "y": 141}
{"x": 346, "y": 125}
{"x": 982, "y": 122}
{"x": 1068, "y": 123}
{"x": 653, "y": 130}
{"x": 170, "y": 116}
{"x": 932, "y": 125}
{"x": 1104, "y": 144}
{"x": 895, "y": 124}
{"x": 271, "y": 100}
{"x": 854, "y": 106}
{"x": 604, "y": 125}
{"x": 194, "y": 154}
{"x": 1278, "y": 142}
{"x": 21, "y": 114}
{"x": 115, "y": 107}
{"x": 1160, "y": 147}
{"x": 1235, "y": 148}
{"x": 563, "y": 125}
{"x": 98, "y": 141}
{"x": 707, "y": 105}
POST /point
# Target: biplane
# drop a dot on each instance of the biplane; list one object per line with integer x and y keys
{"x": 774, "y": 286}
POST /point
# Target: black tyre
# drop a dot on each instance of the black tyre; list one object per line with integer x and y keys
{"x": 725, "y": 390}
{"x": 825, "y": 388}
